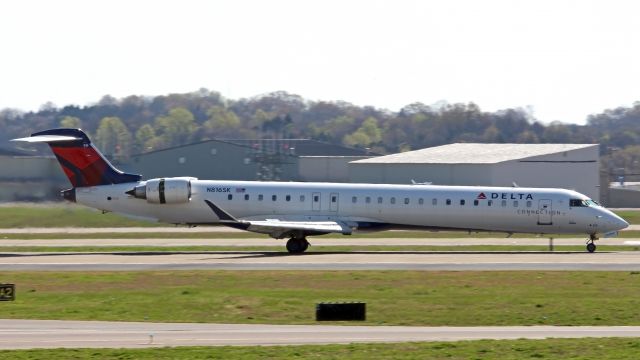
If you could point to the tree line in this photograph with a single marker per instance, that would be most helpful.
(137, 124)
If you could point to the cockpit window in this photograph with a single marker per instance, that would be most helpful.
(582, 203)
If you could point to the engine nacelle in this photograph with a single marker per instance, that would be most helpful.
(164, 191)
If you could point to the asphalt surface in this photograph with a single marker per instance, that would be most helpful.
(354, 260)
(23, 334)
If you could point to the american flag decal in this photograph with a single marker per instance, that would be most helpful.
(240, 190)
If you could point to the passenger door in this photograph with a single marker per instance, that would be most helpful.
(334, 201)
(545, 212)
(316, 201)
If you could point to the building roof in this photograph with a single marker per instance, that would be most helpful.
(472, 153)
(13, 152)
(292, 147)
(301, 147)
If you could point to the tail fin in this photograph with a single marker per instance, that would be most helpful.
(83, 164)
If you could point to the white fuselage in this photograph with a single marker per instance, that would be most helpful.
(370, 206)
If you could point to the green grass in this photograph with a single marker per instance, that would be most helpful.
(466, 298)
(67, 215)
(71, 215)
(314, 248)
(606, 348)
(632, 216)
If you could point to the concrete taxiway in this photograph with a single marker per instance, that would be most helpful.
(22, 334)
(356, 260)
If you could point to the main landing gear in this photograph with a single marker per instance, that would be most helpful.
(591, 246)
(297, 245)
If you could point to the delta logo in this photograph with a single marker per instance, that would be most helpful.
(481, 196)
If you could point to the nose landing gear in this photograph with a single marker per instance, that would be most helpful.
(297, 245)
(591, 246)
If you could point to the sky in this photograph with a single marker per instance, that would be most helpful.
(562, 60)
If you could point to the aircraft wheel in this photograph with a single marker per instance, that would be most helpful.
(591, 247)
(297, 246)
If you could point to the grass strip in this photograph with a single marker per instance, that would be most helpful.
(64, 215)
(433, 298)
(587, 348)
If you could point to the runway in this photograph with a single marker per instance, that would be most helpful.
(363, 260)
(23, 334)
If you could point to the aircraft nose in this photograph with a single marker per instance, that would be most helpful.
(617, 222)
(623, 224)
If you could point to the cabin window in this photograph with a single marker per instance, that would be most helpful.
(260, 197)
(367, 199)
(462, 202)
(529, 203)
(406, 201)
(379, 199)
(434, 202)
(476, 202)
(316, 198)
(421, 201)
(274, 197)
(230, 197)
(288, 198)
(354, 199)
(490, 202)
(246, 197)
(393, 200)
(504, 203)
(334, 199)
(515, 203)
(301, 198)
(448, 201)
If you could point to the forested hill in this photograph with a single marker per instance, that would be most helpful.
(136, 124)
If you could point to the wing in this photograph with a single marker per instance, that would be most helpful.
(279, 228)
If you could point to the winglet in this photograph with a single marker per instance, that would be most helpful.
(226, 218)
(222, 215)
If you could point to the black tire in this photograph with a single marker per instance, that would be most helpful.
(591, 247)
(297, 246)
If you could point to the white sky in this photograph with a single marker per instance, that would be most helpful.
(565, 59)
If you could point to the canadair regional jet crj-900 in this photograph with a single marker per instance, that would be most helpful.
(295, 210)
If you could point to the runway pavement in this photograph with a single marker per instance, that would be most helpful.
(363, 260)
(22, 334)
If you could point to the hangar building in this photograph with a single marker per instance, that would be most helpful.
(263, 159)
(570, 166)
(24, 177)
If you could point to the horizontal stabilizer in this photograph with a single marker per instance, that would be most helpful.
(47, 138)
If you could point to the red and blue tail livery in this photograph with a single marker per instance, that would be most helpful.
(83, 164)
